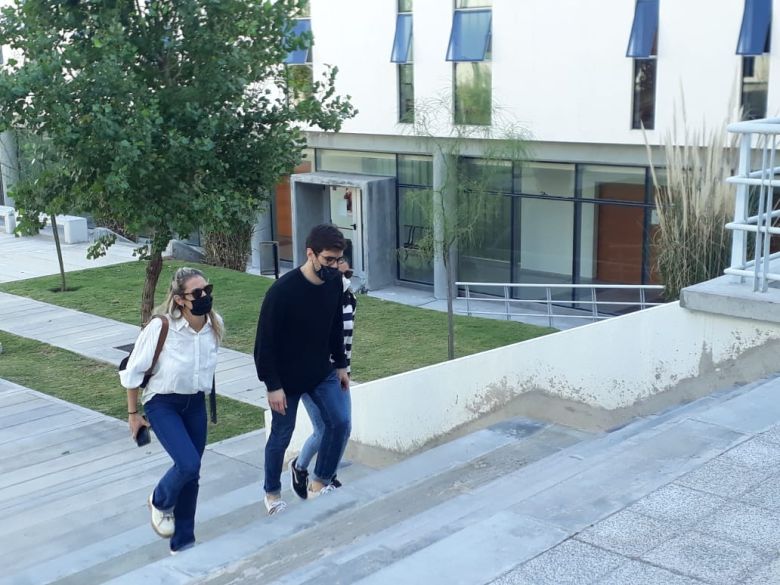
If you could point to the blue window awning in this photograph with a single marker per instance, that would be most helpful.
(470, 35)
(402, 45)
(299, 56)
(754, 34)
(641, 44)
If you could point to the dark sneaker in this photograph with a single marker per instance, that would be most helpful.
(335, 482)
(300, 480)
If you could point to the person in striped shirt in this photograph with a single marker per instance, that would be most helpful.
(299, 466)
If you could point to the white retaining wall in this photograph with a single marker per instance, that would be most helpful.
(608, 365)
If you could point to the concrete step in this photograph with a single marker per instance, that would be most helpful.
(474, 520)
(366, 506)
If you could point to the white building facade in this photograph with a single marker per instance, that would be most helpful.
(580, 78)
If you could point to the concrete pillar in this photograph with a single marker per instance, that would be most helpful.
(262, 233)
(443, 200)
(9, 165)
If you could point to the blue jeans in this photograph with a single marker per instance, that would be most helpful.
(179, 423)
(327, 397)
(312, 444)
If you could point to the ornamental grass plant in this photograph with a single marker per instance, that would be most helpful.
(693, 204)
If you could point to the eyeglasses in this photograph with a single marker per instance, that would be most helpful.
(199, 292)
(332, 260)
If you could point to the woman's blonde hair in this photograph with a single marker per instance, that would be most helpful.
(177, 288)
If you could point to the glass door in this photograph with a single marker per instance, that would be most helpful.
(345, 214)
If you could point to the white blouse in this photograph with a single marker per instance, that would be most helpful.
(186, 364)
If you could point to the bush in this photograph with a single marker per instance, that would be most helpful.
(229, 249)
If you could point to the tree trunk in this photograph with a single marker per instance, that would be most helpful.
(153, 270)
(450, 315)
(56, 233)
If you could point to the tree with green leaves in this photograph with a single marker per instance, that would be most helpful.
(464, 197)
(165, 116)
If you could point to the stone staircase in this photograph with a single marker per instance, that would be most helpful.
(468, 511)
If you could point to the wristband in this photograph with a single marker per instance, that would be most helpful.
(134, 412)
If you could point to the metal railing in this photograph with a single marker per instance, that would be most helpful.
(764, 133)
(549, 303)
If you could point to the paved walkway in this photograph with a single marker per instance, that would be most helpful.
(99, 339)
(30, 257)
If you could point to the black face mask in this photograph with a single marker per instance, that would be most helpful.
(327, 273)
(201, 306)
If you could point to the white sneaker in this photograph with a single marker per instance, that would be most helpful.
(162, 521)
(324, 490)
(274, 506)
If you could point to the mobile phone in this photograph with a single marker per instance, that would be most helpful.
(143, 437)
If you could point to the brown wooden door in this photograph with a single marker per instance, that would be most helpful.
(619, 235)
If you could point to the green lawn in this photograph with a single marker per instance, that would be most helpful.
(94, 385)
(389, 337)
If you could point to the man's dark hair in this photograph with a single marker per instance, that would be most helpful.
(325, 236)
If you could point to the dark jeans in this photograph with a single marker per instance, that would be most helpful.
(335, 416)
(179, 423)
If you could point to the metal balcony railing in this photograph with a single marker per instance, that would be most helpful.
(755, 216)
(512, 301)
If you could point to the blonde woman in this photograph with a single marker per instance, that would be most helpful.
(174, 398)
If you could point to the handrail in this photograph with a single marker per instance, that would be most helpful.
(594, 315)
(764, 178)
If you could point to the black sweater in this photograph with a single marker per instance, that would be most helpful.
(299, 330)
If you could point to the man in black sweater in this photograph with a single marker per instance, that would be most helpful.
(299, 348)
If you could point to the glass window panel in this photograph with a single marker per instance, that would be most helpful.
(485, 255)
(402, 43)
(608, 182)
(484, 174)
(406, 93)
(473, 93)
(413, 230)
(300, 82)
(470, 35)
(544, 245)
(305, 9)
(415, 170)
(404, 5)
(304, 55)
(755, 86)
(643, 110)
(351, 161)
(754, 34)
(473, 3)
(535, 178)
(644, 32)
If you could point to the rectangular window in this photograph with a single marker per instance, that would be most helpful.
(473, 3)
(478, 174)
(406, 93)
(415, 169)
(539, 178)
(755, 86)
(484, 255)
(643, 48)
(470, 35)
(473, 96)
(754, 34)
(351, 161)
(300, 82)
(414, 229)
(298, 56)
(643, 110)
(470, 50)
(403, 55)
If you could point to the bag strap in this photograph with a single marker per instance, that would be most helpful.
(213, 400)
(158, 349)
